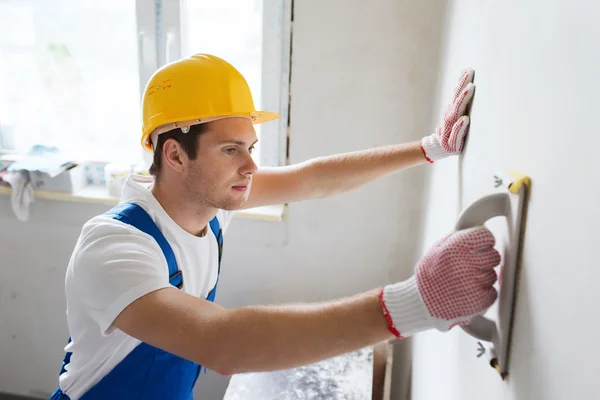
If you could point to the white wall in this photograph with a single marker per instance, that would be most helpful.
(362, 76)
(535, 111)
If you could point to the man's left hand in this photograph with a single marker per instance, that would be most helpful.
(450, 135)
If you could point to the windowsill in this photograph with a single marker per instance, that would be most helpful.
(97, 194)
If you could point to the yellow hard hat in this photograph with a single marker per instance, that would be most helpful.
(195, 90)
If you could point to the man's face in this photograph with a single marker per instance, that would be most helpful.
(221, 175)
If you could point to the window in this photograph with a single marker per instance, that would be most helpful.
(67, 77)
(72, 71)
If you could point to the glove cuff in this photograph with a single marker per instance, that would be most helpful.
(432, 148)
(404, 308)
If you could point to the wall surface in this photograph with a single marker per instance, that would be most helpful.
(370, 76)
(363, 76)
(535, 111)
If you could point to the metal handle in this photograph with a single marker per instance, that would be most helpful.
(477, 214)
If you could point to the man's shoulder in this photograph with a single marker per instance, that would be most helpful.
(104, 243)
(103, 229)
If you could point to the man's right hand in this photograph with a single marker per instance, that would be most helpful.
(452, 284)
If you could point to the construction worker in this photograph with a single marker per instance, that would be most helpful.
(141, 282)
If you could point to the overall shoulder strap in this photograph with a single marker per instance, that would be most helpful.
(216, 229)
(134, 215)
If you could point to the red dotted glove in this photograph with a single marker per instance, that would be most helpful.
(449, 137)
(452, 284)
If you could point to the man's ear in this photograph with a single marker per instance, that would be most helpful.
(174, 156)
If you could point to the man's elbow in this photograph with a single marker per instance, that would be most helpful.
(228, 362)
(225, 372)
(226, 366)
(314, 186)
(220, 356)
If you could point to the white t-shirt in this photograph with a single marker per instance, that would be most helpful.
(112, 265)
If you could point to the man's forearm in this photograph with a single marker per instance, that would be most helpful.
(279, 337)
(343, 172)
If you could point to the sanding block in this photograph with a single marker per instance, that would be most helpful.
(509, 202)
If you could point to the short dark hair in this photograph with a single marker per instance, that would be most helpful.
(188, 141)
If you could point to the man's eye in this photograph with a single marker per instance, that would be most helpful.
(251, 149)
(230, 150)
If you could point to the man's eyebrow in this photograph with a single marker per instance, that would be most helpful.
(238, 142)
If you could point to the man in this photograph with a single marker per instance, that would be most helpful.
(142, 279)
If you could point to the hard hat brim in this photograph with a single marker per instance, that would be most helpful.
(257, 117)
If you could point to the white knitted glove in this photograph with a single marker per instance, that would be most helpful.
(452, 284)
(449, 137)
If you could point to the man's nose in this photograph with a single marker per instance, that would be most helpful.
(250, 166)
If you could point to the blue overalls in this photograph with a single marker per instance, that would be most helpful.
(148, 372)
